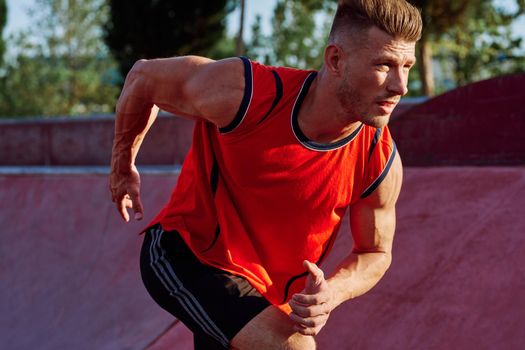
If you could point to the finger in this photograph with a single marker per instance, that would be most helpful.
(311, 299)
(309, 322)
(309, 310)
(303, 321)
(306, 330)
(310, 325)
(121, 207)
(314, 271)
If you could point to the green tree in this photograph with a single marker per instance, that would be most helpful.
(164, 28)
(3, 21)
(483, 47)
(461, 22)
(239, 44)
(258, 47)
(438, 17)
(61, 66)
(300, 30)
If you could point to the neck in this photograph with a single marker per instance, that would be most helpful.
(321, 117)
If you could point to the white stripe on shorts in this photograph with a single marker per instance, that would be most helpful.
(173, 285)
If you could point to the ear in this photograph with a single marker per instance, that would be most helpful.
(333, 59)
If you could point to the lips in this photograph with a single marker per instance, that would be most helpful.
(386, 107)
(388, 103)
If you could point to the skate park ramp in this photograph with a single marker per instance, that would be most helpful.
(479, 124)
(69, 265)
(457, 279)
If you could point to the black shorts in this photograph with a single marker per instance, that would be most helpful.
(215, 305)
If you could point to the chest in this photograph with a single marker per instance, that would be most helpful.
(273, 162)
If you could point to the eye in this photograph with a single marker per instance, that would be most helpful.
(383, 67)
(408, 66)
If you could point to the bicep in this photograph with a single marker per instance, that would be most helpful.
(194, 86)
(373, 219)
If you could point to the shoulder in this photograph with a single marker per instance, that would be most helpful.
(378, 153)
(216, 87)
(265, 88)
(387, 191)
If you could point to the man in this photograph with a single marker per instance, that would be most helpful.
(278, 156)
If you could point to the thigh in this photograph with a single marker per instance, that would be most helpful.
(271, 329)
(212, 303)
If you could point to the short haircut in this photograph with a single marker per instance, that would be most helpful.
(398, 18)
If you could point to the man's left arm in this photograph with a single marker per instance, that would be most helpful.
(372, 221)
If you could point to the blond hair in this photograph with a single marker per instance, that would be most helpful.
(396, 17)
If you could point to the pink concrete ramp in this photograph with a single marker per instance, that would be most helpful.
(457, 280)
(478, 124)
(68, 265)
(70, 278)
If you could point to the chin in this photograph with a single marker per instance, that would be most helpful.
(377, 121)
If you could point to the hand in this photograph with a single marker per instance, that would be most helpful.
(125, 192)
(311, 308)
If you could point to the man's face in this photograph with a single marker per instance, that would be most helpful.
(375, 77)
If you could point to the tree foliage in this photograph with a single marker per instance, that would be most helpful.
(3, 21)
(163, 28)
(300, 29)
(61, 66)
(453, 27)
(483, 46)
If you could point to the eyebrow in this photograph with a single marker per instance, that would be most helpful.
(396, 58)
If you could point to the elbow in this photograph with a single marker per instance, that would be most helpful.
(387, 261)
(138, 77)
(381, 266)
(137, 71)
(139, 65)
(135, 88)
(384, 264)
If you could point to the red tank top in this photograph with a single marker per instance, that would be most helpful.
(257, 197)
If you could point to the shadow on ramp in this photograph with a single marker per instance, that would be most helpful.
(69, 265)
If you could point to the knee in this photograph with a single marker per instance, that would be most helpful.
(294, 341)
(299, 342)
(271, 329)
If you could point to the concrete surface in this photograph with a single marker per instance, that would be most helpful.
(80, 141)
(77, 141)
(68, 265)
(70, 280)
(478, 124)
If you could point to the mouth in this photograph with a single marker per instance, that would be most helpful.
(387, 106)
(387, 103)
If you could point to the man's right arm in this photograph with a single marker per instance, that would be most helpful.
(187, 86)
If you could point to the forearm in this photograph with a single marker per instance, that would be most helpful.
(357, 274)
(130, 130)
(134, 116)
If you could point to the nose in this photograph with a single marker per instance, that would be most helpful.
(397, 82)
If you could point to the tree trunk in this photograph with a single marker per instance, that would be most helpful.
(425, 67)
(239, 49)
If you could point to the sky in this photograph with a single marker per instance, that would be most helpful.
(18, 18)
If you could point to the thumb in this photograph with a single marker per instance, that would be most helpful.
(315, 277)
(137, 205)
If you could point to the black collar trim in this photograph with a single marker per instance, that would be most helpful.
(305, 141)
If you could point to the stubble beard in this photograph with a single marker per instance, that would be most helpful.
(353, 106)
